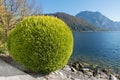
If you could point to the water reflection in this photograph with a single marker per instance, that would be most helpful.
(98, 47)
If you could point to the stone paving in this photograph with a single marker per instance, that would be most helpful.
(8, 72)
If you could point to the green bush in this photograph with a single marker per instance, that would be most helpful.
(41, 43)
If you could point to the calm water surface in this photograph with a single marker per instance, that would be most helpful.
(101, 48)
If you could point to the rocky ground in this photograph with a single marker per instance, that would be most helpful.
(72, 71)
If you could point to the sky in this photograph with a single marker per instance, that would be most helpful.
(109, 8)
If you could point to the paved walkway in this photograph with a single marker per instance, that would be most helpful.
(8, 72)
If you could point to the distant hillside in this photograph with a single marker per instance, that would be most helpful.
(75, 23)
(99, 20)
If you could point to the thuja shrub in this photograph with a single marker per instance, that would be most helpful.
(41, 43)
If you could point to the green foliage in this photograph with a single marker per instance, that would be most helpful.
(41, 43)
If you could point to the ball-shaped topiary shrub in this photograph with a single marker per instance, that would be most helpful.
(41, 43)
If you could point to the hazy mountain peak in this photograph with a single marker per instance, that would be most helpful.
(90, 12)
(99, 20)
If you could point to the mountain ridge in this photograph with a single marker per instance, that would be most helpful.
(99, 20)
(75, 23)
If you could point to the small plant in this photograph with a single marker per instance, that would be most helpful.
(41, 43)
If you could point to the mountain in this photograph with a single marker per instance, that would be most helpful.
(74, 23)
(99, 20)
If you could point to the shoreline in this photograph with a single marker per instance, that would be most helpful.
(93, 31)
(74, 70)
(91, 64)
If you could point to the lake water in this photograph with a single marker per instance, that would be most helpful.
(100, 48)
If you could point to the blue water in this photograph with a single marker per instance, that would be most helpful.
(101, 48)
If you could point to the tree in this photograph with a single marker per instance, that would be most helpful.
(13, 11)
